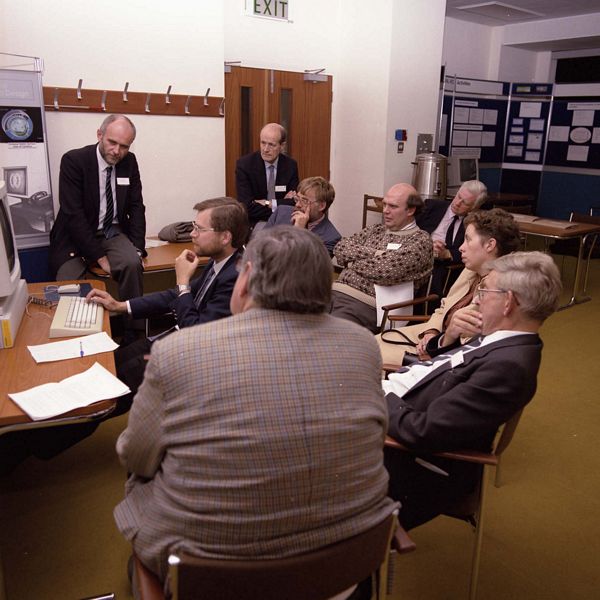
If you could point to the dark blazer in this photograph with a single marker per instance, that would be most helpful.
(324, 229)
(251, 183)
(214, 304)
(458, 408)
(430, 218)
(73, 233)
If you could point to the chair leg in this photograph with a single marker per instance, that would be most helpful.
(498, 476)
(478, 538)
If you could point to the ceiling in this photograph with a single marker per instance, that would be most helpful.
(499, 13)
(488, 12)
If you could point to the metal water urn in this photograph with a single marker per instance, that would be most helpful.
(430, 175)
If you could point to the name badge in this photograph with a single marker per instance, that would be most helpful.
(457, 359)
(392, 246)
(122, 180)
(280, 188)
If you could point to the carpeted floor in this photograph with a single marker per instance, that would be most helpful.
(542, 534)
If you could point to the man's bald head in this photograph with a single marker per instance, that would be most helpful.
(400, 205)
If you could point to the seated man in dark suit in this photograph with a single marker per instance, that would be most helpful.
(313, 199)
(266, 177)
(444, 221)
(220, 230)
(101, 218)
(460, 398)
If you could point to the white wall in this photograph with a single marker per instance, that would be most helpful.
(517, 64)
(151, 44)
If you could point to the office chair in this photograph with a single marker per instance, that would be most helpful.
(471, 508)
(317, 575)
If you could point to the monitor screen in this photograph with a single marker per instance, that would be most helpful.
(461, 169)
(16, 180)
(10, 271)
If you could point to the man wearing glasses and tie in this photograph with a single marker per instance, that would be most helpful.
(459, 399)
(220, 231)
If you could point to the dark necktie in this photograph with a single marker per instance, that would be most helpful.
(450, 232)
(207, 281)
(271, 183)
(110, 206)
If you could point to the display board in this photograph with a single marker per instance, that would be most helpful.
(24, 155)
(574, 136)
(526, 130)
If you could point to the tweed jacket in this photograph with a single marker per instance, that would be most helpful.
(393, 353)
(268, 444)
(251, 183)
(367, 260)
(73, 233)
(325, 229)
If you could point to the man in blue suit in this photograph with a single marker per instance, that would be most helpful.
(219, 231)
(267, 177)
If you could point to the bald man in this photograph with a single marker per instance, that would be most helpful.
(266, 177)
(384, 255)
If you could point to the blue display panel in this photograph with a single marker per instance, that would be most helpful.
(526, 130)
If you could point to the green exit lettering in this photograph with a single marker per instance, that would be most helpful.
(271, 8)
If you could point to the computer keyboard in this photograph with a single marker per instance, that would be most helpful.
(74, 316)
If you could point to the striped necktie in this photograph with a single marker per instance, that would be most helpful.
(110, 205)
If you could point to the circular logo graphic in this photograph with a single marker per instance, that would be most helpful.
(17, 125)
(580, 135)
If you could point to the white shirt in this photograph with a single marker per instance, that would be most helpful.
(439, 233)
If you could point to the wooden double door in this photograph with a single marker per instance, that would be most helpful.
(254, 97)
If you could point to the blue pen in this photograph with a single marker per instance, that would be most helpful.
(80, 348)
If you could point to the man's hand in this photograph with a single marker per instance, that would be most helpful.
(290, 194)
(465, 322)
(185, 266)
(105, 299)
(104, 264)
(264, 202)
(301, 216)
(422, 345)
(440, 250)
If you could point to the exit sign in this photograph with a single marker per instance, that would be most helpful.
(269, 9)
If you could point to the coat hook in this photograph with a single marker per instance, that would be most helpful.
(125, 99)
(103, 101)
(206, 97)
(79, 89)
(147, 107)
(56, 107)
(168, 98)
(186, 108)
(222, 107)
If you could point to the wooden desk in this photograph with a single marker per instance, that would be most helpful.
(18, 370)
(160, 259)
(561, 230)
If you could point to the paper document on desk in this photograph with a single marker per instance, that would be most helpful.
(52, 399)
(73, 348)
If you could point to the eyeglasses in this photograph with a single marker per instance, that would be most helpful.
(480, 291)
(197, 229)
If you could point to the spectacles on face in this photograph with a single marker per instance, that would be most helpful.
(198, 229)
(481, 291)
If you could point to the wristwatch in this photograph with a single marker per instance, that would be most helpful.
(183, 288)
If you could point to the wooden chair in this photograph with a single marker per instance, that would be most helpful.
(371, 204)
(317, 575)
(591, 249)
(472, 507)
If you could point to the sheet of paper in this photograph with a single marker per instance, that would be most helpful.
(52, 399)
(154, 243)
(459, 138)
(390, 294)
(534, 141)
(559, 133)
(514, 151)
(490, 116)
(536, 125)
(461, 114)
(583, 117)
(530, 110)
(596, 135)
(579, 153)
(474, 138)
(488, 138)
(73, 348)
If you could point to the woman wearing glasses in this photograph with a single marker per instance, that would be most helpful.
(488, 235)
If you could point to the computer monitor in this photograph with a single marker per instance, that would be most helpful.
(10, 269)
(16, 181)
(462, 168)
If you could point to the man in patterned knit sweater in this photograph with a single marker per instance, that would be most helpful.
(394, 252)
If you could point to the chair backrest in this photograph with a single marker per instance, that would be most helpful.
(371, 204)
(578, 217)
(317, 575)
